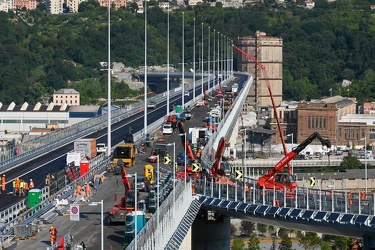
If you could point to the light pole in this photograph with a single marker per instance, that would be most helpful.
(194, 64)
(202, 61)
(365, 139)
(95, 203)
(109, 147)
(291, 135)
(168, 110)
(157, 190)
(183, 60)
(145, 77)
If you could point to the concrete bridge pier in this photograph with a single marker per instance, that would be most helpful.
(369, 242)
(210, 231)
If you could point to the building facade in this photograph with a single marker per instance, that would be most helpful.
(267, 51)
(54, 6)
(68, 96)
(27, 4)
(115, 4)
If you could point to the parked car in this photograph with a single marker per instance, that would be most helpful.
(142, 184)
(186, 93)
(151, 105)
(167, 129)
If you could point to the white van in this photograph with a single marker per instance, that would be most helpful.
(235, 88)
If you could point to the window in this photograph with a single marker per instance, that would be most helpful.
(313, 122)
(71, 101)
(75, 101)
(308, 122)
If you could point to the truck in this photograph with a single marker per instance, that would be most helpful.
(88, 145)
(126, 151)
(76, 157)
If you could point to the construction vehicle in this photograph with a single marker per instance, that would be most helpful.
(127, 204)
(278, 180)
(263, 68)
(126, 151)
(149, 173)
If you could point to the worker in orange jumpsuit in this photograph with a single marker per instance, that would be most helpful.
(31, 185)
(3, 182)
(26, 187)
(350, 202)
(363, 195)
(78, 190)
(87, 191)
(53, 235)
(18, 183)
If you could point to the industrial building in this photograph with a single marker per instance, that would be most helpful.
(23, 118)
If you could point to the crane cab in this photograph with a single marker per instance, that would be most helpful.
(285, 179)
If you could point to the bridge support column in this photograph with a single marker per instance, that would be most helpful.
(368, 242)
(210, 231)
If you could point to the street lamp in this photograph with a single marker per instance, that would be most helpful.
(109, 147)
(365, 139)
(291, 135)
(95, 203)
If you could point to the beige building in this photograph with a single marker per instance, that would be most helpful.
(268, 52)
(117, 4)
(73, 5)
(27, 4)
(67, 96)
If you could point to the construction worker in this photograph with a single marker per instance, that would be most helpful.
(78, 190)
(26, 187)
(18, 181)
(53, 235)
(87, 191)
(14, 187)
(31, 185)
(3, 183)
(22, 186)
(47, 180)
(363, 195)
(350, 202)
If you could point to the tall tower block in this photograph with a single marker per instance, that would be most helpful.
(268, 51)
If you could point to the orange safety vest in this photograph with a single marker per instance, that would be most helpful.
(79, 190)
(3, 183)
(26, 186)
(363, 195)
(350, 202)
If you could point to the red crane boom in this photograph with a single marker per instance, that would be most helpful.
(260, 65)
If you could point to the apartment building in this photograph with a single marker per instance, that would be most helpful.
(4, 6)
(27, 4)
(67, 96)
(115, 3)
(54, 6)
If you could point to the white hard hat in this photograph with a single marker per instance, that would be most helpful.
(31, 179)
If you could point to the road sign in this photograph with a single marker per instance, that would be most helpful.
(74, 212)
(167, 159)
(238, 175)
(197, 167)
(312, 181)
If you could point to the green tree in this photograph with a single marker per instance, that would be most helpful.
(270, 230)
(325, 246)
(285, 243)
(309, 240)
(262, 228)
(254, 242)
(350, 162)
(247, 227)
(342, 242)
(238, 244)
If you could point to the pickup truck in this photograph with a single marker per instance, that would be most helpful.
(151, 105)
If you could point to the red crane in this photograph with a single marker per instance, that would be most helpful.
(263, 68)
(274, 178)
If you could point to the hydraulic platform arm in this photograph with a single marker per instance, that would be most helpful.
(125, 179)
(279, 167)
(215, 170)
(185, 141)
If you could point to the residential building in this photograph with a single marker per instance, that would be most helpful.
(27, 4)
(266, 50)
(164, 5)
(368, 108)
(4, 6)
(68, 96)
(73, 5)
(117, 4)
(194, 2)
(54, 6)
